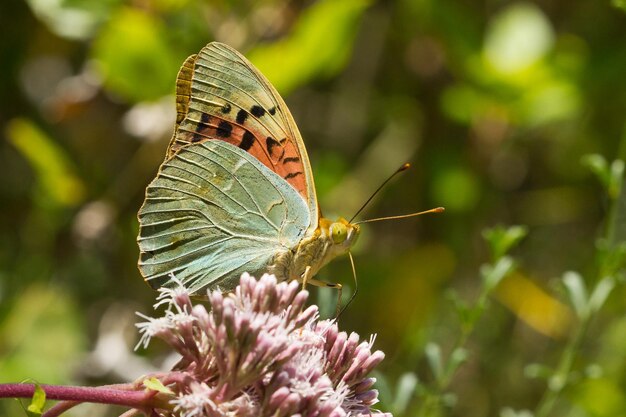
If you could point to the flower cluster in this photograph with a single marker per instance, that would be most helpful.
(261, 352)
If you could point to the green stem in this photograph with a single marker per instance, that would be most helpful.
(561, 376)
(614, 208)
(611, 218)
(431, 402)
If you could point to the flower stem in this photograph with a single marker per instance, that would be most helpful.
(72, 395)
(59, 408)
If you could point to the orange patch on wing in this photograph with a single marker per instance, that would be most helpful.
(279, 155)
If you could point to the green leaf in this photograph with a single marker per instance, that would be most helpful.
(320, 45)
(134, 57)
(35, 408)
(577, 293)
(620, 4)
(433, 356)
(598, 166)
(405, 392)
(457, 358)
(155, 384)
(600, 293)
(518, 37)
(75, 19)
(502, 239)
(457, 189)
(557, 382)
(537, 370)
(594, 371)
(509, 412)
(40, 335)
(492, 275)
(449, 399)
(56, 176)
(462, 309)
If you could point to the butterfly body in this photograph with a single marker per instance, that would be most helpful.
(317, 250)
(235, 192)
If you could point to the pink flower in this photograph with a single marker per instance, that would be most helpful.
(261, 352)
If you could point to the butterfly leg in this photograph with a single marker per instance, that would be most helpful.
(306, 276)
(333, 285)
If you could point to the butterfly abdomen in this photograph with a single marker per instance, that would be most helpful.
(311, 253)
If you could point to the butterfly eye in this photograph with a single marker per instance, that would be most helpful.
(338, 232)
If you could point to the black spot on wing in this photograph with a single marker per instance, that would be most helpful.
(226, 108)
(272, 111)
(271, 143)
(247, 141)
(292, 175)
(291, 159)
(224, 129)
(202, 125)
(257, 111)
(242, 115)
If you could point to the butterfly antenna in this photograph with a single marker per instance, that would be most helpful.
(404, 167)
(403, 216)
(356, 287)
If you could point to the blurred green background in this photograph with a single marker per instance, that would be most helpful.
(493, 102)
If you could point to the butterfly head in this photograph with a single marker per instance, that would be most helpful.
(341, 235)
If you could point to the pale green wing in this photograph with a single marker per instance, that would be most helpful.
(214, 212)
(220, 95)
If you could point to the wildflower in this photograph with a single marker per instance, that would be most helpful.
(260, 351)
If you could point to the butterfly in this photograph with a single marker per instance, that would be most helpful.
(235, 192)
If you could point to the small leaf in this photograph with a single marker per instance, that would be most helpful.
(537, 370)
(611, 254)
(600, 294)
(509, 412)
(620, 4)
(557, 382)
(457, 358)
(433, 355)
(461, 308)
(155, 384)
(58, 182)
(449, 399)
(577, 293)
(405, 392)
(135, 57)
(492, 275)
(320, 44)
(597, 165)
(35, 408)
(594, 371)
(501, 239)
(76, 20)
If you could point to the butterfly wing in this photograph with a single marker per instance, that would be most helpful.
(221, 95)
(213, 212)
